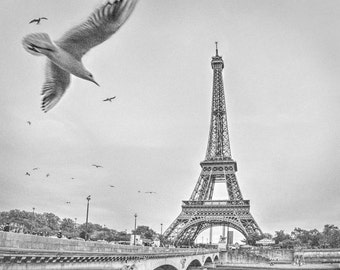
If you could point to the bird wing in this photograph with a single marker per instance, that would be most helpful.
(34, 20)
(43, 18)
(98, 27)
(56, 82)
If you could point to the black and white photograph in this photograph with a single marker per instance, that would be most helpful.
(169, 135)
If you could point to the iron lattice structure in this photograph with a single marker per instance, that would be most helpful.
(200, 211)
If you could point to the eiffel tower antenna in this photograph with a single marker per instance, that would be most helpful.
(201, 212)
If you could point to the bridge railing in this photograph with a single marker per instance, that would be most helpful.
(16, 242)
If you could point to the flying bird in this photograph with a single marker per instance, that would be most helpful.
(27, 173)
(64, 55)
(68, 202)
(38, 20)
(112, 186)
(109, 99)
(47, 175)
(150, 192)
(29, 122)
(97, 166)
(34, 169)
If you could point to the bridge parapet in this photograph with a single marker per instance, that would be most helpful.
(10, 240)
(25, 252)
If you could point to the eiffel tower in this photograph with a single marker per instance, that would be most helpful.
(200, 212)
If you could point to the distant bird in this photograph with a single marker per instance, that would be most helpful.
(97, 166)
(109, 99)
(38, 20)
(72, 178)
(112, 186)
(139, 191)
(27, 173)
(34, 169)
(150, 192)
(64, 55)
(68, 202)
(47, 175)
(29, 122)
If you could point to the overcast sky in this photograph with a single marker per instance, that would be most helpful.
(281, 80)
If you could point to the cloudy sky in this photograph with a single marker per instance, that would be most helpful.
(281, 81)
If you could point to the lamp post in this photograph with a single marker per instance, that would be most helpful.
(87, 215)
(134, 233)
(161, 237)
(33, 227)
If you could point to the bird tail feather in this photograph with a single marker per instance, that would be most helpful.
(38, 43)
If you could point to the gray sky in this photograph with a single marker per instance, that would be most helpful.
(281, 81)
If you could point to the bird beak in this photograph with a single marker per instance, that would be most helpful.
(95, 82)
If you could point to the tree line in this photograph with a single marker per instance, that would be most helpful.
(48, 224)
(329, 237)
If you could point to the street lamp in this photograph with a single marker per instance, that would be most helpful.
(134, 233)
(161, 237)
(33, 226)
(87, 215)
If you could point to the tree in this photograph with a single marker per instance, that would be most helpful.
(145, 232)
(330, 237)
(252, 238)
(281, 236)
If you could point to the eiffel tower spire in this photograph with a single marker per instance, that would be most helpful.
(201, 212)
(218, 143)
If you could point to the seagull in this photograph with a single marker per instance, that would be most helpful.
(29, 122)
(109, 99)
(38, 20)
(97, 166)
(150, 192)
(34, 169)
(112, 186)
(27, 173)
(64, 55)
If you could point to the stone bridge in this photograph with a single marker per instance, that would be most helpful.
(22, 251)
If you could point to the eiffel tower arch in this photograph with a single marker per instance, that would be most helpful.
(201, 211)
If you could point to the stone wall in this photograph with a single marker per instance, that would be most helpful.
(241, 257)
(318, 256)
(9, 240)
(276, 255)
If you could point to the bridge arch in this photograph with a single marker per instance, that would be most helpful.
(208, 261)
(201, 224)
(166, 267)
(194, 263)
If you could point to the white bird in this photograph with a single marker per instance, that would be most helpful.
(64, 55)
